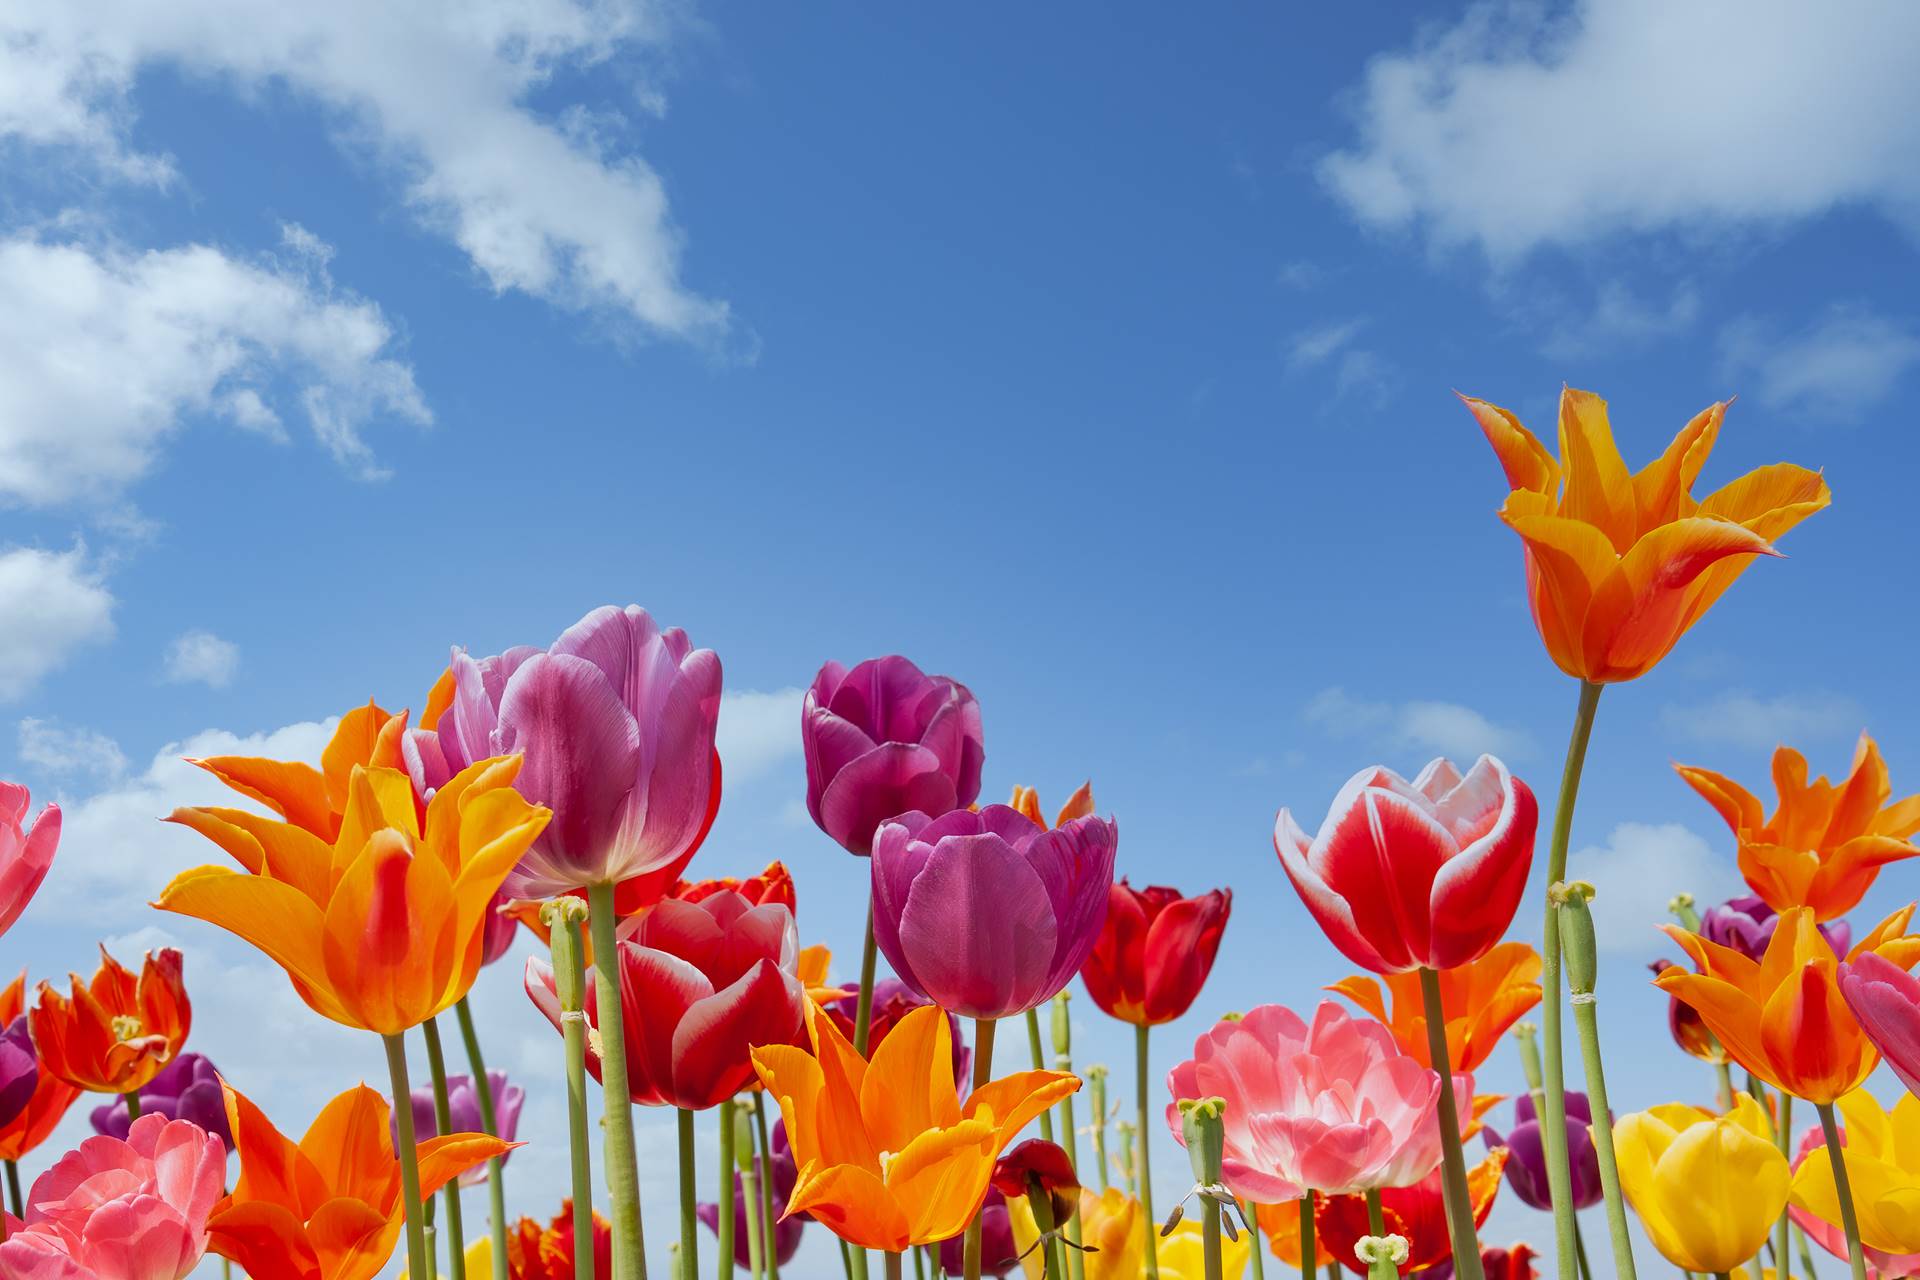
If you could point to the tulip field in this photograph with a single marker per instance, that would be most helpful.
(911, 1101)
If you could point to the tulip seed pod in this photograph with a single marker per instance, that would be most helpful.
(1576, 936)
(743, 1139)
(1681, 906)
(563, 917)
(1205, 1136)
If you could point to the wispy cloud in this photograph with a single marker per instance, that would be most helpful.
(201, 657)
(1638, 871)
(52, 603)
(1741, 718)
(1447, 728)
(1835, 368)
(1357, 372)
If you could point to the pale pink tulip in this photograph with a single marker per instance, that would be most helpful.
(25, 854)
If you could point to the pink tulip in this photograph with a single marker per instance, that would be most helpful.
(1411, 874)
(1886, 1000)
(24, 855)
(122, 1209)
(1334, 1107)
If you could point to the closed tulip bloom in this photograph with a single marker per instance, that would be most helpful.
(1410, 874)
(133, 1208)
(1620, 565)
(1109, 1228)
(1747, 923)
(1515, 1263)
(535, 1252)
(1684, 1025)
(889, 1156)
(1332, 1107)
(703, 983)
(987, 914)
(1527, 1156)
(187, 1089)
(25, 852)
(384, 926)
(1416, 1211)
(1885, 998)
(1155, 951)
(1825, 842)
(463, 1114)
(51, 1096)
(999, 1249)
(328, 1207)
(775, 884)
(1881, 1149)
(1037, 1163)
(1708, 1189)
(882, 739)
(1481, 1001)
(118, 1030)
(19, 1070)
(1783, 1017)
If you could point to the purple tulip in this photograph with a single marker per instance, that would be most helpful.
(499, 931)
(997, 1248)
(786, 1231)
(1527, 1157)
(989, 914)
(188, 1088)
(463, 1113)
(616, 723)
(885, 739)
(1747, 925)
(19, 1070)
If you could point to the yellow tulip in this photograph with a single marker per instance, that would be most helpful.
(1109, 1228)
(1183, 1254)
(1707, 1188)
(1883, 1169)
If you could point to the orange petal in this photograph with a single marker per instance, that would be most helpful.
(1567, 561)
(351, 747)
(908, 1088)
(350, 1146)
(1643, 606)
(1599, 491)
(351, 1239)
(279, 920)
(1736, 805)
(1525, 460)
(854, 1204)
(445, 1158)
(295, 791)
(1012, 1101)
(941, 1177)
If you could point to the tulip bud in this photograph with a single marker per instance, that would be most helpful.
(563, 917)
(1681, 905)
(1576, 935)
(1233, 1016)
(1204, 1133)
(743, 1138)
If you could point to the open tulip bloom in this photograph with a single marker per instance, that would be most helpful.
(118, 1030)
(1881, 1150)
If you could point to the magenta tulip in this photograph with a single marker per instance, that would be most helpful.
(989, 914)
(25, 854)
(1886, 1000)
(19, 1070)
(188, 1088)
(463, 1115)
(885, 739)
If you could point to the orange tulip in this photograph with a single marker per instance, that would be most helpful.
(1826, 841)
(117, 1031)
(888, 1155)
(1078, 805)
(1782, 1017)
(1619, 565)
(1481, 1000)
(52, 1096)
(315, 800)
(382, 925)
(328, 1207)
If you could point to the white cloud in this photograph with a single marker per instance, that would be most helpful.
(1744, 719)
(1834, 368)
(62, 751)
(757, 730)
(104, 352)
(1451, 730)
(440, 92)
(201, 657)
(51, 603)
(1317, 345)
(1618, 317)
(1356, 370)
(1523, 125)
(1639, 870)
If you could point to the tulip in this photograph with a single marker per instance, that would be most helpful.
(187, 1089)
(1885, 998)
(1515, 1263)
(1684, 1025)
(1154, 952)
(1619, 566)
(1078, 805)
(1881, 1150)
(117, 1031)
(708, 981)
(1333, 1107)
(1182, 1255)
(998, 1246)
(463, 1114)
(1527, 1157)
(775, 884)
(1039, 1167)
(1425, 874)
(135, 1207)
(1708, 1188)
(328, 1207)
(889, 1156)
(882, 739)
(535, 1252)
(25, 854)
(987, 914)
(1747, 923)
(19, 1070)
(893, 1000)
(1110, 1227)
(1481, 1000)
(1783, 1017)
(787, 1231)
(1416, 1211)
(315, 800)
(51, 1098)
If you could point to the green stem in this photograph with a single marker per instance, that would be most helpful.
(489, 1121)
(1586, 1019)
(725, 1245)
(1041, 1205)
(1806, 1254)
(1063, 1061)
(1580, 1250)
(1849, 1220)
(1256, 1264)
(1459, 1203)
(1143, 1163)
(863, 1011)
(766, 1187)
(14, 1198)
(1553, 1109)
(1377, 1226)
(1782, 1229)
(1307, 1259)
(1726, 1086)
(893, 1265)
(570, 983)
(409, 1157)
(623, 1174)
(1097, 1099)
(689, 1197)
(132, 1098)
(1039, 1054)
(443, 1124)
(982, 1072)
(750, 1188)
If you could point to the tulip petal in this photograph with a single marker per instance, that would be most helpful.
(909, 1086)
(264, 1239)
(854, 1204)
(978, 930)
(1640, 610)
(276, 918)
(350, 1238)
(940, 1177)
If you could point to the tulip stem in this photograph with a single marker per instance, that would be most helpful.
(1459, 1203)
(1063, 1061)
(443, 1125)
(1580, 1250)
(770, 1250)
(1586, 1019)
(1256, 1264)
(893, 1265)
(409, 1157)
(1097, 1099)
(1849, 1220)
(1039, 1064)
(863, 1011)
(1377, 1227)
(1806, 1254)
(1782, 1127)
(18, 1201)
(562, 917)
(1040, 1203)
(1308, 1260)
(1143, 1164)
(724, 1227)
(623, 1174)
(750, 1189)
(1553, 1109)
(490, 1122)
(1726, 1085)
(689, 1197)
(982, 1072)
(132, 1097)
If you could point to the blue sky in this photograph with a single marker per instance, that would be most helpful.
(1102, 363)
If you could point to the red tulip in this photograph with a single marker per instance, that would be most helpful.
(1037, 1163)
(1154, 952)
(775, 884)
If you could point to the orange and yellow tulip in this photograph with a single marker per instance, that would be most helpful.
(315, 800)
(888, 1155)
(1825, 841)
(1619, 564)
(328, 1207)
(118, 1030)
(381, 926)
(1783, 1017)
(52, 1096)
(1078, 805)
(1481, 1000)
